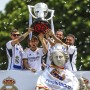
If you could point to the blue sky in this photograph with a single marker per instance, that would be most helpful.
(2, 4)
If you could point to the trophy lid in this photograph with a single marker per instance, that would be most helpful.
(41, 10)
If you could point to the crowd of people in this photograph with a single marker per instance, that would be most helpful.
(55, 57)
(31, 57)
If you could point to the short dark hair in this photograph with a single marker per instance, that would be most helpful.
(33, 37)
(71, 35)
(61, 30)
(14, 30)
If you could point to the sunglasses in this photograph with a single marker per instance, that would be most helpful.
(16, 35)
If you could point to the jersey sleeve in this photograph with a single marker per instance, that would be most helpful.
(9, 45)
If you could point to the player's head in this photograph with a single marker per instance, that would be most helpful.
(60, 34)
(58, 56)
(15, 34)
(70, 39)
(33, 42)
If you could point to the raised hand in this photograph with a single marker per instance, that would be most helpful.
(30, 29)
(32, 70)
(41, 36)
(49, 32)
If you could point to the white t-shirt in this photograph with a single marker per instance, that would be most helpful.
(71, 63)
(14, 54)
(48, 80)
(34, 57)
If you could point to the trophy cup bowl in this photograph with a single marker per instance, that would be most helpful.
(40, 24)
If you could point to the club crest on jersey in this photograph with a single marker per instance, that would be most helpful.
(56, 73)
(16, 48)
(16, 59)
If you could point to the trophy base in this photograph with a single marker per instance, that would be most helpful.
(40, 26)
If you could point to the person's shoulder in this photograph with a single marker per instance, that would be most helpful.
(26, 49)
(9, 45)
(39, 48)
(72, 47)
(19, 45)
(9, 41)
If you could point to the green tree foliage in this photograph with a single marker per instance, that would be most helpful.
(71, 15)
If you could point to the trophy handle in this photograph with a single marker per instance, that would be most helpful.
(30, 11)
(49, 10)
(52, 14)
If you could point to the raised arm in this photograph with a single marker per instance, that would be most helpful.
(42, 39)
(50, 40)
(57, 40)
(22, 37)
(27, 67)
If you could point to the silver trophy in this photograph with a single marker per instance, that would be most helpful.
(39, 12)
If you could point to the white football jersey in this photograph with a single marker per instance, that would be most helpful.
(34, 57)
(48, 80)
(71, 63)
(14, 54)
